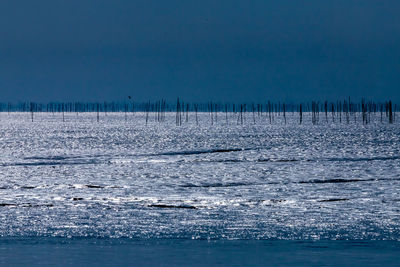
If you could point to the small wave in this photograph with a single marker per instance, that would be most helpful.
(332, 181)
(223, 161)
(279, 160)
(27, 205)
(333, 199)
(172, 206)
(391, 200)
(274, 200)
(346, 159)
(363, 159)
(241, 160)
(147, 157)
(94, 186)
(50, 157)
(49, 163)
(272, 160)
(217, 185)
(196, 152)
(27, 187)
(7, 204)
(312, 160)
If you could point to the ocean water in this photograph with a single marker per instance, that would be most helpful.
(180, 252)
(122, 179)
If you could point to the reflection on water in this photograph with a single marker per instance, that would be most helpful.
(118, 178)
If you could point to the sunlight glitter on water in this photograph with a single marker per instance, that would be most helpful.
(120, 178)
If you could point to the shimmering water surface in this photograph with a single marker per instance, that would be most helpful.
(122, 178)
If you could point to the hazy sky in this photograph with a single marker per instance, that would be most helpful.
(247, 50)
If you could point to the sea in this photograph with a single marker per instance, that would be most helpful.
(133, 189)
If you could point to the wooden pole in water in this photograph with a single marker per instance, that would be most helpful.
(226, 113)
(126, 111)
(187, 112)
(269, 112)
(63, 112)
(284, 111)
(215, 111)
(147, 110)
(253, 110)
(301, 113)
(31, 107)
(211, 113)
(326, 110)
(98, 112)
(178, 113)
(195, 110)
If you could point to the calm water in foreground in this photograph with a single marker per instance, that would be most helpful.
(287, 185)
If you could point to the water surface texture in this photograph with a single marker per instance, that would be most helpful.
(122, 178)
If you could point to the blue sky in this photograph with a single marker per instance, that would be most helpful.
(226, 50)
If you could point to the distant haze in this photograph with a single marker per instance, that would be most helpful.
(231, 50)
